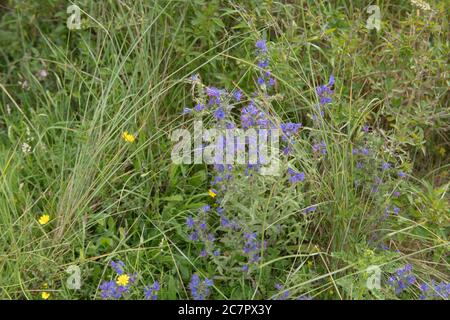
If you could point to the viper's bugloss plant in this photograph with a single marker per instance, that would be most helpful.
(402, 279)
(200, 290)
(151, 292)
(434, 290)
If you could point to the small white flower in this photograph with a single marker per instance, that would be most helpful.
(422, 5)
(42, 74)
(26, 148)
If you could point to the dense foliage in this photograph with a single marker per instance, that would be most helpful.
(87, 180)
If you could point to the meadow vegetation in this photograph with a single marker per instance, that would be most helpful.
(87, 180)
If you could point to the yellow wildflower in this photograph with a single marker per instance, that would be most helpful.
(44, 219)
(128, 137)
(123, 280)
(45, 295)
(212, 193)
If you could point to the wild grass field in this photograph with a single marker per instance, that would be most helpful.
(93, 207)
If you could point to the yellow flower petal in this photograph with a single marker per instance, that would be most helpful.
(128, 137)
(212, 193)
(123, 280)
(44, 219)
(45, 295)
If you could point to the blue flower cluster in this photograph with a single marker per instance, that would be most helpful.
(377, 176)
(223, 174)
(118, 266)
(402, 279)
(284, 293)
(151, 292)
(109, 290)
(265, 79)
(395, 210)
(310, 209)
(252, 249)
(289, 131)
(112, 290)
(320, 147)
(405, 278)
(200, 230)
(227, 223)
(214, 97)
(324, 93)
(439, 290)
(295, 176)
(200, 289)
(251, 116)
